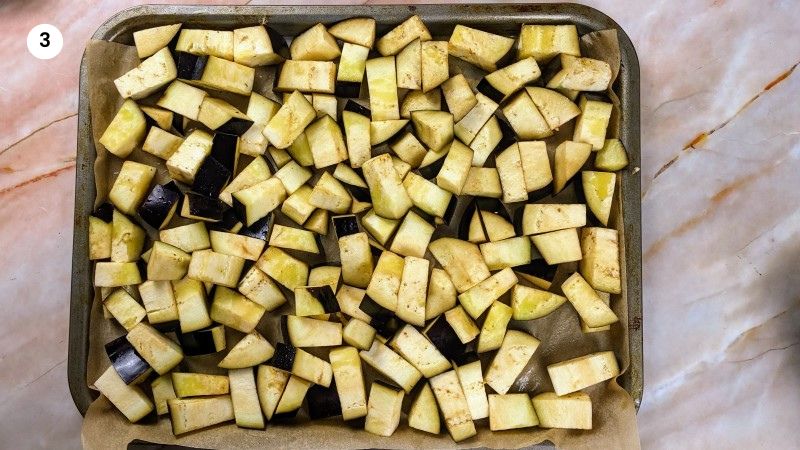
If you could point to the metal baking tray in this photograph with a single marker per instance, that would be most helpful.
(290, 20)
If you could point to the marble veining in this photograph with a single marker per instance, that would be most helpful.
(721, 219)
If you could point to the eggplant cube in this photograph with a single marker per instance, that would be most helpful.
(234, 310)
(512, 357)
(126, 130)
(253, 46)
(129, 400)
(453, 404)
(383, 410)
(581, 372)
(167, 262)
(283, 268)
(131, 185)
(149, 76)
(346, 367)
(158, 350)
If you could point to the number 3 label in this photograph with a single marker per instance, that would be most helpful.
(45, 41)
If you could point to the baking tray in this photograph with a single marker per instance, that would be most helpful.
(291, 20)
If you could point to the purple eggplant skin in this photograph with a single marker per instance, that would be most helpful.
(323, 402)
(211, 178)
(326, 297)
(345, 225)
(508, 136)
(190, 67)
(223, 149)
(205, 207)
(260, 229)
(284, 356)
(445, 339)
(159, 206)
(178, 124)
(538, 268)
(430, 171)
(348, 89)
(200, 342)
(383, 320)
(465, 358)
(104, 212)
(486, 88)
(235, 126)
(357, 108)
(229, 222)
(278, 42)
(130, 366)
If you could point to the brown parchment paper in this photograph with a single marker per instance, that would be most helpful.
(614, 414)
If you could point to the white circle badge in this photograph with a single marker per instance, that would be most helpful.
(45, 41)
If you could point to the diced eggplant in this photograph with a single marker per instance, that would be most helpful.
(234, 310)
(308, 332)
(258, 46)
(348, 89)
(554, 107)
(582, 74)
(349, 385)
(167, 263)
(510, 252)
(159, 301)
(590, 307)
(424, 413)
(129, 400)
(529, 303)
(385, 281)
(611, 157)
(379, 227)
(330, 195)
(434, 64)
(494, 327)
(350, 299)
(307, 77)
(478, 298)
(325, 275)
(461, 260)
(459, 96)
(395, 40)
(421, 101)
(383, 320)
(570, 411)
(569, 158)
(233, 244)
(302, 364)
(592, 123)
(104, 212)
(283, 268)
(217, 268)
(408, 149)
(512, 357)
(258, 287)
(356, 258)
(411, 296)
(297, 206)
(504, 82)
(124, 308)
(203, 342)
(184, 100)
(444, 338)
(314, 44)
(188, 238)
(190, 414)
(391, 365)
(159, 206)
(322, 296)
(270, 384)
(325, 104)
(551, 217)
(468, 127)
(356, 30)
(357, 131)
(543, 42)
(290, 120)
(246, 407)
(453, 405)
(536, 168)
(258, 200)
(512, 178)
(255, 172)
(427, 196)
(510, 412)
(149, 76)
(390, 199)
(455, 168)
(538, 273)
(190, 300)
(413, 236)
(598, 188)
(220, 116)
(199, 384)
(461, 324)
(497, 227)
(581, 372)
(326, 142)
(345, 225)
(380, 131)
(159, 351)
(359, 334)
(383, 410)
(382, 83)
(479, 47)
(151, 40)
(188, 158)
(162, 392)
(600, 264)
(293, 239)
(131, 186)
(352, 65)
(525, 118)
(127, 239)
(409, 66)
(470, 377)
(157, 118)
(206, 42)
(419, 351)
(491, 136)
(130, 367)
(99, 238)
(112, 274)
(559, 246)
(441, 294)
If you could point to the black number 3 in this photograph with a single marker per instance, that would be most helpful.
(45, 39)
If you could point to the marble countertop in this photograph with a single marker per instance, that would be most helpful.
(720, 210)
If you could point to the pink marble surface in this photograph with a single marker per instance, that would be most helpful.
(721, 219)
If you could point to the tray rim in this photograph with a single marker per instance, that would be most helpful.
(582, 15)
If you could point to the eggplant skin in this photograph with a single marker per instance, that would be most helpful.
(348, 89)
(430, 171)
(538, 268)
(211, 178)
(486, 88)
(326, 297)
(126, 361)
(158, 206)
(104, 212)
(235, 126)
(223, 149)
(345, 225)
(446, 340)
(206, 207)
(284, 357)
(357, 108)
(260, 229)
(200, 342)
(323, 402)
(190, 67)
(508, 135)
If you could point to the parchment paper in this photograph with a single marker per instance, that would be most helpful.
(614, 415)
